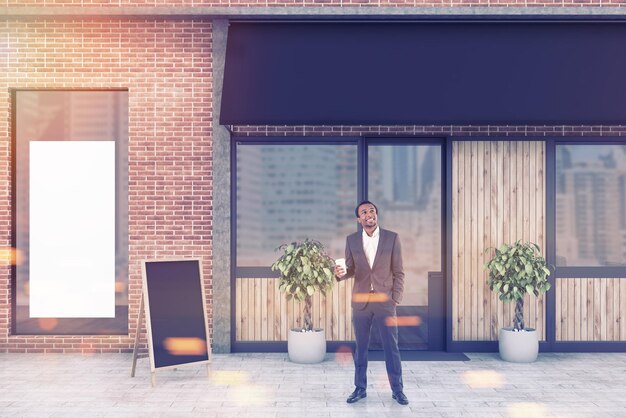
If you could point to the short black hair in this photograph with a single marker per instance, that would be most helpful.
(365, 202)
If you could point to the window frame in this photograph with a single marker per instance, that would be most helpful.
(266, 272)
(71, 326)
(563, 272)
(362, 143)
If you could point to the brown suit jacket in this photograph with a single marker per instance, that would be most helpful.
(386, 275)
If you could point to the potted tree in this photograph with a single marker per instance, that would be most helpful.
(514, 271)
(305, 268)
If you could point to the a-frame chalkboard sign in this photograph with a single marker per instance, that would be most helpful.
(174, 305)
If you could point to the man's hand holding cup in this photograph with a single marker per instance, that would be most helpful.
(340, 267)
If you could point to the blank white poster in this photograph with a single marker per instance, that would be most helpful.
(72, 229)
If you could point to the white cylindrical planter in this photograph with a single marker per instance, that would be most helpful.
(518, 347)
(306, 347)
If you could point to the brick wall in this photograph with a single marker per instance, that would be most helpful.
(166, 66)
(436, 131)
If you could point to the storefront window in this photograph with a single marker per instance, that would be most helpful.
(291, 192)
(591, 205)
(405, 182)
(71, 212)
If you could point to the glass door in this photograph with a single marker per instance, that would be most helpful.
(405, 181)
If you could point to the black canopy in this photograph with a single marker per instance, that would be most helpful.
(474, 72)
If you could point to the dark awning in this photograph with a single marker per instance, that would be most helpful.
(425, 73)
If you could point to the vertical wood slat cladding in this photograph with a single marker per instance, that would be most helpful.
(263, 314)
(498, 196)
(590, 309)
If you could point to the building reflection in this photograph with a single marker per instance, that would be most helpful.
(591, 205)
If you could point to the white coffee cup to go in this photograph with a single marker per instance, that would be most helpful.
(341, 262)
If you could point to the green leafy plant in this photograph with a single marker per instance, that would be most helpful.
(304, 269)
(516, 270)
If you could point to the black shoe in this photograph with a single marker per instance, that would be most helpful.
(357, 395)
(400, 398)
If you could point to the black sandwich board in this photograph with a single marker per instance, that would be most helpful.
(175, 311)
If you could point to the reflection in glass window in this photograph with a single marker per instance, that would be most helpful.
(405, 183)
(291, 192)
(590, 205)
(71, 212)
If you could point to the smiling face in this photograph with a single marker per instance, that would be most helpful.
(368, 217)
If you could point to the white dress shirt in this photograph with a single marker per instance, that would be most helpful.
(370, 245)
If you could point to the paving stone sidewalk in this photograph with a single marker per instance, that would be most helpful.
(268, 385)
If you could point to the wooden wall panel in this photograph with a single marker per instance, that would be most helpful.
(498, 196)
(263, 314)
(590, 309)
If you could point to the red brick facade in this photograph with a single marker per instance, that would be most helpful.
(166, 66)
(435, 131)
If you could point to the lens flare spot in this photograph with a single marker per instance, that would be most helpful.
(344, 354)
(87, 349)
(483, 379)
(370, 297)
(47, 324)
(10, 256)
(403, 321)
(178, 346)
(227, 377)
(527, 410)
(120, 287)
(251, 395)
(381, 382)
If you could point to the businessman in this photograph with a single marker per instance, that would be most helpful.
(374, 259)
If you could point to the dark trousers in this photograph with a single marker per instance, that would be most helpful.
(362, 319)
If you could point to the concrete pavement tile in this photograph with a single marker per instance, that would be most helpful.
(578, 384)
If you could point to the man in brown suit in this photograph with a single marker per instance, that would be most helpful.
(374, 259)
